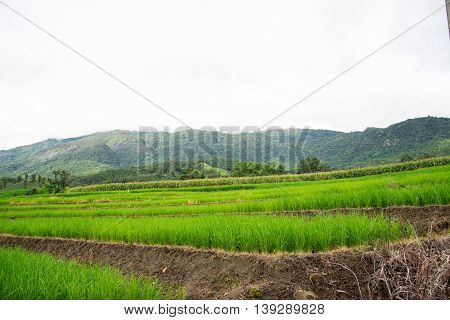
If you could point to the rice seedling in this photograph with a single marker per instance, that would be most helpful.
(234, 233)
(30, 276)
(430, 186)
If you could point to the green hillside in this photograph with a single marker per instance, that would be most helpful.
(113, 150)
(416, 137)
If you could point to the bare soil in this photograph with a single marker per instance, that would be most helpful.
(425, 220)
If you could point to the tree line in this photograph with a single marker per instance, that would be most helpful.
(307, 165)
(169, 170)
(174, 170)
(201, 169)
(54, 184)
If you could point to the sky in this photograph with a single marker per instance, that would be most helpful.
(218, 63)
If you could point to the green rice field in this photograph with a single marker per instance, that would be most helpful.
(25, 275)
(234, 233)
(429, 186)
(233, 217)
(241, 215)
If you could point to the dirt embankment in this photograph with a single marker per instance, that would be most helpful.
(414, 270)
(425, 220)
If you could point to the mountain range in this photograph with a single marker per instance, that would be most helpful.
(90, 154)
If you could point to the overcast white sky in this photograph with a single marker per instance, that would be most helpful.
(216, 63)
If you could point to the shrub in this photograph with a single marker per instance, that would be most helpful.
(31, 192)
(58, 183)
(406, 158)
(311, 165)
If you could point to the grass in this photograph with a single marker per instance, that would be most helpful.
(430, 186)
(231, 216)
(16, 189)
(234, 233)
(30, 276)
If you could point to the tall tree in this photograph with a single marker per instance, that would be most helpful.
(25, 180)
(59, 182)
(4, 182)
(311, 164)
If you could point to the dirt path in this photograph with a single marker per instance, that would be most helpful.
(213, 274)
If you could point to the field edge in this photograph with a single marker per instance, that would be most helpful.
(340, 274)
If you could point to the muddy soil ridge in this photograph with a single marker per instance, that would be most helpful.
(425, 220)
(414, 269)
(215, 274)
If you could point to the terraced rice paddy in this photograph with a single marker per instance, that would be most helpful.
(414, 188)
(25, 275)
(235, 233)
(256, 218)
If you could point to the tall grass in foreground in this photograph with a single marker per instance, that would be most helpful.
(234, 233)
(31, 276)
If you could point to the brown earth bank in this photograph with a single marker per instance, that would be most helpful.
(425, 220)
(409, 270)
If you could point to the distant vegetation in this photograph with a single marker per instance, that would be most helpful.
(35, 184)
(58, 183)
(429, 186)
(169, 170)
(251, 169)
(88, 156)
(267, 179)
(312, 165)
(178, 174)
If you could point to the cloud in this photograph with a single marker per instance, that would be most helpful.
(218, 63)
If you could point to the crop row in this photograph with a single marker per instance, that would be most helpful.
(235, 233)
(30, 276)
(429, 186)
(349, 173)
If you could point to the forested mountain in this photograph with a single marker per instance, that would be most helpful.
(123, 149)
(419, 137)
